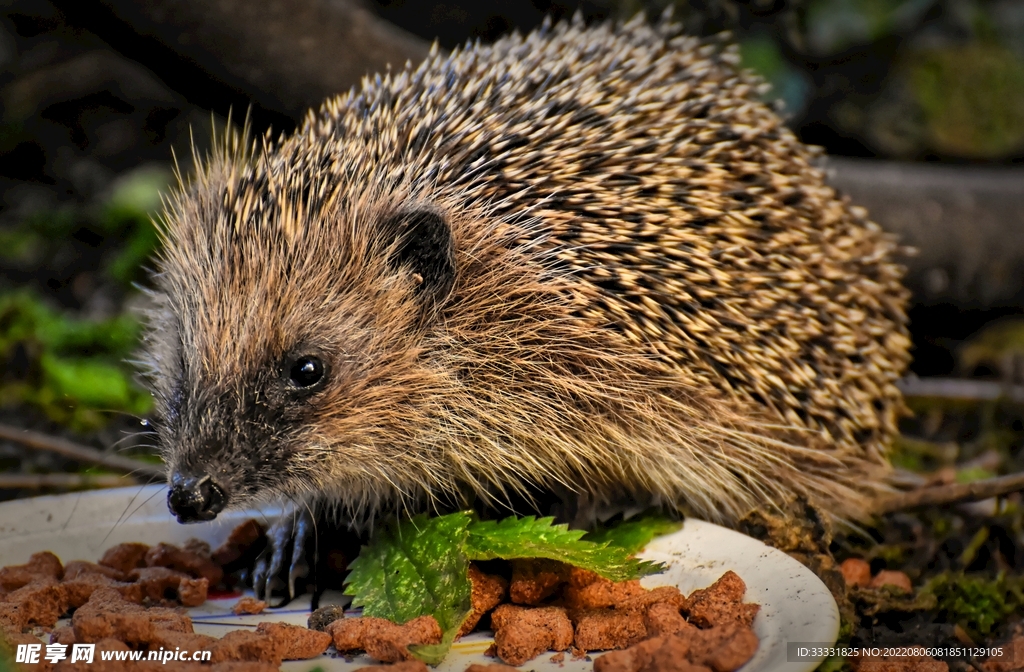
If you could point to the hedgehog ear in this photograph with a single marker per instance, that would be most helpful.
(424, 245)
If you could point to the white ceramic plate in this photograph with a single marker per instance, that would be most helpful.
(795, 605)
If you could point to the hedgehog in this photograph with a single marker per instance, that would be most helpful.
(587, 261)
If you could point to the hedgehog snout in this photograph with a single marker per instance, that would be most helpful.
(195, 499)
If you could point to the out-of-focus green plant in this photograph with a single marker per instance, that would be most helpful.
(836, 25)
(971, 98)
(134, 200)
(123, 220)
(71, 369)
(977, 603)
(762, 55)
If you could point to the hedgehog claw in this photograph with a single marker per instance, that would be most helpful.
(283, 561)
(305, 529)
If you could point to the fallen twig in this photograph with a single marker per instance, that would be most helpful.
(954, 493)
(63, 481)
(76, 451)
(961, 389)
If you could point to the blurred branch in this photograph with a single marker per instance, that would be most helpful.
(966, 222)
(78, 452)
(961, 389)
(953, 493)
(62, 481)
(289, 55)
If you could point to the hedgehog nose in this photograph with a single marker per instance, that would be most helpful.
(193, 499)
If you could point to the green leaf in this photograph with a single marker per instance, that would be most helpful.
(633, 534)
(414, 568)
(530, 537)
(433, 654)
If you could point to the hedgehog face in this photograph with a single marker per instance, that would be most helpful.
(297, 368)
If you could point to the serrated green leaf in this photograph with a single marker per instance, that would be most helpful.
(634, 534)
(414, 568)
(433, 654)
(530, 537)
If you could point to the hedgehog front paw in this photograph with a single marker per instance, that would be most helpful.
(284, 561)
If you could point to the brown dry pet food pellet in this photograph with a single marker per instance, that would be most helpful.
(536, 579)
(9, 640)
(64, 635)
(381, 638)
(720, 603)
(856, 572)
(77, 568)
(603, 629)
(404, 666)
(12, 619)
(392, 645)
(579, 577)
(663, 618)
(297, 642)
(643, 601)
(39, 565)
(723, 648)
(192, 592)
(347, 633)
(186, 641)
(41, 602)
(671, 657)
(81, 588)
(1012, 657)
(238, 542)
(193, 564)
(888, 577)
(125, 557)
(600, 593)
(247, 645)
(908, 664)
(488, 592)
(633, 659)
(248, 605)
(521, 634)
(158, 583)
(107, 615)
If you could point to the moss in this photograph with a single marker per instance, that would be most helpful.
(977, 603)
(972, 99)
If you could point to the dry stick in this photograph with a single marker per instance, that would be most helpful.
(76, 451)
(960, 389)
(63, 481)
(953, 493)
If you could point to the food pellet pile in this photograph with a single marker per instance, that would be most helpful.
(135, 598)
(548, 606)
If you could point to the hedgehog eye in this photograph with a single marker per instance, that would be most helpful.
(306, 371)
